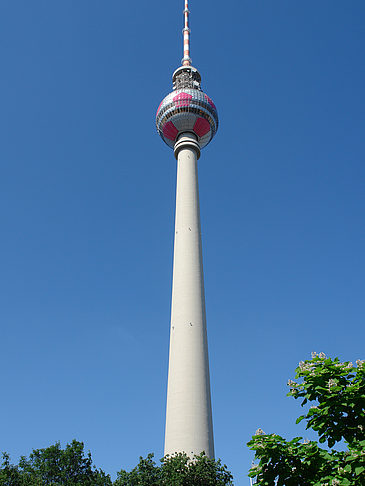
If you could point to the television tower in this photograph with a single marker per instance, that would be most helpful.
(187, 120)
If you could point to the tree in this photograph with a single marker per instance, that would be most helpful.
(337, 393)
(54, 466)
(146, 472)
(177, 470)
(9, 474)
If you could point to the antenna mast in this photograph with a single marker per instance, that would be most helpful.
(186, 61)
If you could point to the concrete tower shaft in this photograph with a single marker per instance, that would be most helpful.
(188, 415)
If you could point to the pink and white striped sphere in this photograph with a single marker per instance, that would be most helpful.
(187, 110)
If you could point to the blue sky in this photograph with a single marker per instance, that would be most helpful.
(87, 194)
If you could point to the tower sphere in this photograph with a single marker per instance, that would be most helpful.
(187, 109)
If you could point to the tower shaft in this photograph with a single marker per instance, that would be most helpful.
(188, 415)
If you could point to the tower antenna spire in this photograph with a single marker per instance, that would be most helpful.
(186, 61)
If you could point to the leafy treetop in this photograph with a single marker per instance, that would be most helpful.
(337, 392)
(55, 466)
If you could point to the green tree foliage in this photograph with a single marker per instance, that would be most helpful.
(176, 470)
(336, 391)
(146, 472)
(55, 466)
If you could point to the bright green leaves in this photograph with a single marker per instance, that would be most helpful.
(291, 463)
(337, 391)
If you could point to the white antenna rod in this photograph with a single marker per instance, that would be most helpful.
(186, 61)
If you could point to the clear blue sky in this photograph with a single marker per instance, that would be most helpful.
(87, 194)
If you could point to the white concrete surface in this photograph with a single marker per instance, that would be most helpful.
(189, 415)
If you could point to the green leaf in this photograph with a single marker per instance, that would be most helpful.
(299, 419)
(345, 482)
